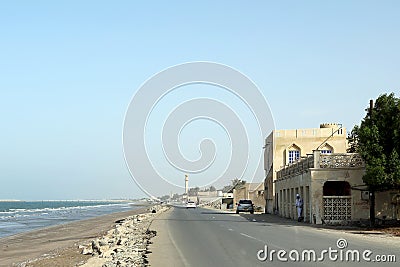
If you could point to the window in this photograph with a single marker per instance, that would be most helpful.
(293, 155)
(326, 149)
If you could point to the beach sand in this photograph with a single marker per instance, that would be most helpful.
(57, 245)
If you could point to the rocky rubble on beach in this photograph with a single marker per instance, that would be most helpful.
(125, 244)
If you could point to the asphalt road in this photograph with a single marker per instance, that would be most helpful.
(204, 237)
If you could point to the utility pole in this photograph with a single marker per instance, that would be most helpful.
(371, 188)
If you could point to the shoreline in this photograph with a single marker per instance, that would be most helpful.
(58, 245)
(23, 219)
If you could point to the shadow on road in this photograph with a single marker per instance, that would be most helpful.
(265, 220)
(271, 219)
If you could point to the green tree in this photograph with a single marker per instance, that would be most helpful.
(238, 183)
(377, 140)
(164, 198)
(378, 143)
(352, 140)
(193, 191)
(176, 196)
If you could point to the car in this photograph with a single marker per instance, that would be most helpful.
(190, 205)
(245, 205)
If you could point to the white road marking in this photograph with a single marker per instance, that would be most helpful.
(230, 229)
(181, 255)
(249, 236)
(259, 240)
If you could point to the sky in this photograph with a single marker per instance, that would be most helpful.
(69, 69)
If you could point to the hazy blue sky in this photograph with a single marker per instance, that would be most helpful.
(68, 70)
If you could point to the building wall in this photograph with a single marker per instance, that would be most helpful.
(310, 187)
(286, 191)
(251, 191)
(388, 205)
(257, 196)
(238, 194)
(360, 208)
(269, 187)
(308, 178)
(279, 142)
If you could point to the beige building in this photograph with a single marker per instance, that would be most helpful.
(314, 164)
(332, 189)
(252, 191)
(285, 147)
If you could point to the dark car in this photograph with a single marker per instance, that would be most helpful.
(245, 205)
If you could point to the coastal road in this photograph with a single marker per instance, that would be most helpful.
(205, 237)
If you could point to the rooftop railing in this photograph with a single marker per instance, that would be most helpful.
(321, 161)
(342, 160)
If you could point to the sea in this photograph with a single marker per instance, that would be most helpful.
(22, 216)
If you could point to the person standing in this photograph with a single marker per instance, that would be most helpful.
(299, 206)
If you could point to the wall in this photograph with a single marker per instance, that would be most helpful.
(258, 197)
(287, 189)
(388, 205)
(250, 191)
(360, 208)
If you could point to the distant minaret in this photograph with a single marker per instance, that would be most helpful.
(186, 184)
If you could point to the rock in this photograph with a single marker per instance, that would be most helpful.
(96, 247)
(103, 242)
(118, 250)
(126, 244)
(87, 251)
(109, 264)
(151, 233)
(120, 221)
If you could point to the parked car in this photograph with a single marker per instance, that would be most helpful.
(245, 205)
(190, 205)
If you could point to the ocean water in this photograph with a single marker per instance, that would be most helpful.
(22, 216)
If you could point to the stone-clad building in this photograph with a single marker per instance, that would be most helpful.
(314, 164)
(284, 147)
(331, 187)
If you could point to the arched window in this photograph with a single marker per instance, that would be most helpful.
(326, 149)
(294, 153)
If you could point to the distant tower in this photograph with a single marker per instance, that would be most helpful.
(186, 184)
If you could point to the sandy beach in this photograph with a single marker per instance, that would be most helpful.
(59, 245)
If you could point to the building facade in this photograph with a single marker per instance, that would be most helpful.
(252, 191)
(285, 147)
(332, 189)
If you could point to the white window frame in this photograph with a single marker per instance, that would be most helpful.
(293, 155)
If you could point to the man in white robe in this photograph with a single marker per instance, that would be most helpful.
(299, 206)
